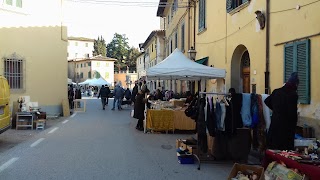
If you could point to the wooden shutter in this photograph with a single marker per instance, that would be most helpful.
(288, 60)
(229, 5)
(303, 69)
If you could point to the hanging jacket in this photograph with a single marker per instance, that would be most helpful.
(218, 115)
(245, 110)
(201, 127)
(254, 110)
(211, 123)
(266, 112)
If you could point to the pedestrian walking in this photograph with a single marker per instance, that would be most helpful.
(108, 93)
(118, 95)
(70, 96)
(78, 95)
(127, 94)
(103, 94)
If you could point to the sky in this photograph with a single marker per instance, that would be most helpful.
(92, 18)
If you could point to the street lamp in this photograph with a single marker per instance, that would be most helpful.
(192, 53)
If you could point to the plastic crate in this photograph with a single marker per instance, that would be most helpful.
(185, 160)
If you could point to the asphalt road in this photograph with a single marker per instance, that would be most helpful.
(101, 144)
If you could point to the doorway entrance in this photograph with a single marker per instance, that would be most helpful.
(245, 66)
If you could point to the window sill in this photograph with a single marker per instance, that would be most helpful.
(17, 91)
(239, 8)
(202, 31)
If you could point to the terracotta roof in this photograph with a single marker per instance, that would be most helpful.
(95, 58)
(151, 35)
(161, 7)
(80, 39)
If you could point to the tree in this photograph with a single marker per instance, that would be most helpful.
(99, 47)
(118, 48)
(132, 56)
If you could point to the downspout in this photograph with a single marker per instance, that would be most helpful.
(267, 73)
(194, 24)
(189, 17)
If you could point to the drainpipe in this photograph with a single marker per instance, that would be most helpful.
(267, 73)
(194, 24)
(189, 17)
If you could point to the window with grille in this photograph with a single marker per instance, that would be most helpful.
(89, 74)
(297, 59)
(14, 72)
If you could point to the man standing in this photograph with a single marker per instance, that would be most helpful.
(118, 95)
(283, 103)
(104, 94)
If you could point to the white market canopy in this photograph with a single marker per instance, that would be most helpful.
(99, 82)
(85, 82)
(178, 67)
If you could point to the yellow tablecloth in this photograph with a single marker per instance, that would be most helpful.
(163, 120)
(160, 120)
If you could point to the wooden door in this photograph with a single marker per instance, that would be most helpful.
(245, 61)
(246, 82)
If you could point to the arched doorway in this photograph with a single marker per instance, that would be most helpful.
(240, 70)
(245, 68)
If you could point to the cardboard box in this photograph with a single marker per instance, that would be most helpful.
(243, 168)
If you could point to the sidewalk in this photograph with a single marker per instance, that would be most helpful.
(13, 137)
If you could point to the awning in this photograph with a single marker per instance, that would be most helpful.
(203, 61)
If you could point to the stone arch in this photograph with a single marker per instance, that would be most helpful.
(240, 69)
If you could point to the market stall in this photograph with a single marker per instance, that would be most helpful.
(178, 67)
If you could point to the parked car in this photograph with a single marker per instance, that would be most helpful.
(5, 116)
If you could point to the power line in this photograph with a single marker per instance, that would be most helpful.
(284, 10)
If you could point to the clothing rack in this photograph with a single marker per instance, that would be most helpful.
(197, 155)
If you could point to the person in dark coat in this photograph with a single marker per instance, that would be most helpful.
(158, 95)
(103, 94)
(108, 94)
(134, 92)
(78, 95)
(127, 94)
(70, 96)
(139, 107)
(283, 103)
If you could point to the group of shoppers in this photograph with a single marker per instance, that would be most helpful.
(74, 92)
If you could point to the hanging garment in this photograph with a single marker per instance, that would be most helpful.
(201, 127)
(211, 123)
(266, 112)
(223, 116)
(254, 110)
(218, 115)
(261, 126)
(245, 110)
(236, 102)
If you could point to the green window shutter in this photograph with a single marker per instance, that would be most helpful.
(19, 3)
(303, 69)
(229, 5)
(288, 60)
(182, 37)
(244, 1)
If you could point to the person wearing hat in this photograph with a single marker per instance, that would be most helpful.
(283, 103)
